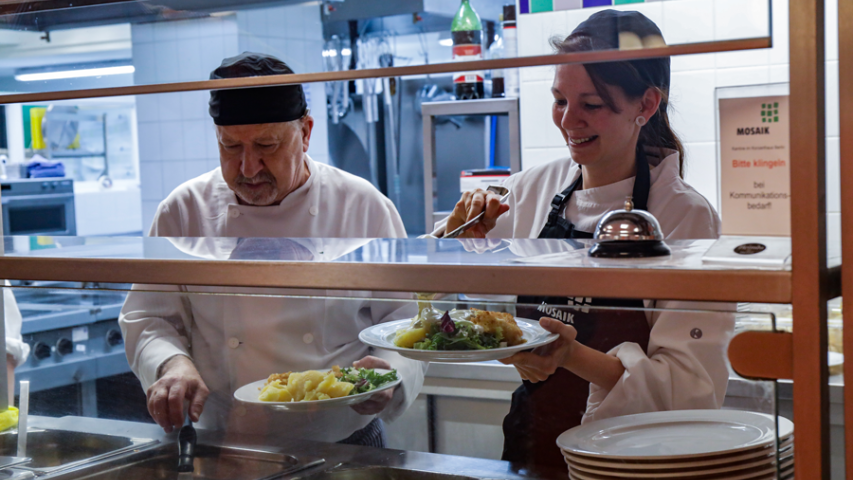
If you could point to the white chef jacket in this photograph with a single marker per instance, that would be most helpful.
(15, 345)
(676, 372)
(236, 340)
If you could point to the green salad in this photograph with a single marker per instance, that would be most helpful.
(459, 335)
(366, 380)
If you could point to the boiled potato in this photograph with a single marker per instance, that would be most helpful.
(409, 337)
(305, 386)
(275, 392)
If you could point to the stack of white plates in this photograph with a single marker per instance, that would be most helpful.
(694, 444)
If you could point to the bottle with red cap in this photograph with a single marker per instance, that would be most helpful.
(467, 34)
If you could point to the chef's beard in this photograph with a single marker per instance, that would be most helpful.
(260, 197)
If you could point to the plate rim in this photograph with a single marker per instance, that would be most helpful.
(327, 402)
(769, 460)
(786, 428)
(749, 476)
(645, 464)
(449, 356)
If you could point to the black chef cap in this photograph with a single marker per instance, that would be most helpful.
(247, 106)
(604, 28)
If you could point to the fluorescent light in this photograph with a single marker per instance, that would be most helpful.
(334, 53)
(446, 42)
(83, 72)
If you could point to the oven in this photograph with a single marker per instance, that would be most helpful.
(38, 206)
(75, 346)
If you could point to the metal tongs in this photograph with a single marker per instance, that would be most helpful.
(502, 191)
(186, 449)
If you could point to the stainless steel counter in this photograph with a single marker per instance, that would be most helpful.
(335, 455)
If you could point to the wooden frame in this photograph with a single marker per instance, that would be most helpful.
(808, 286)
(810, 278)
(845, 85)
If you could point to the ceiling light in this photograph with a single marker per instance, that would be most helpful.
(83, 72)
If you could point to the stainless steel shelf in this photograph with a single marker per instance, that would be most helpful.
(432, 69)
(411, 265)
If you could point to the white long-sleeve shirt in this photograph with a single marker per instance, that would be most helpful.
(677, 371)
(15, 345)
(235, 340)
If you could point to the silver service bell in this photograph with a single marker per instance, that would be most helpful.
(628, 233)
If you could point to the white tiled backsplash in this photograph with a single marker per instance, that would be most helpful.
(177, 140)
(694, 77)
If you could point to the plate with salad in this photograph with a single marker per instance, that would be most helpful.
(457, 335)
(318, 389)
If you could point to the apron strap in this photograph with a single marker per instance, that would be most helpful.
(558, 227)
(642, 182)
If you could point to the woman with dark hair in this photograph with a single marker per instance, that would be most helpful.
(608, 361)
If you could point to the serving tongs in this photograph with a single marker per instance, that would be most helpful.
(502, 191)
(186, 449)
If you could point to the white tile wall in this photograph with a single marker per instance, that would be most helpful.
(694, 77)
(692, 105)
(537, 101)
(734, 19)
(700, 169)
(177, 140)
(108, 212)
(733, 77)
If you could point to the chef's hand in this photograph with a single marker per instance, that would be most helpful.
(469, 206)
(542, 362)
(179, 381)
(377, 401)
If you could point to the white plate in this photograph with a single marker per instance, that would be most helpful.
(734, 468)
(786, 451)
(683, 465)
(673, 434)
(754, 473)
(249, 394)
(382, 336)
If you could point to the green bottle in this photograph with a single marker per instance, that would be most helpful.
(467, 34)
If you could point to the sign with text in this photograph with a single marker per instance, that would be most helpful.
(755, 174)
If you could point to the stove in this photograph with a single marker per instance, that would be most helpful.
(74, 339)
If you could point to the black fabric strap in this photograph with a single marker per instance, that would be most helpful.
(559, 227)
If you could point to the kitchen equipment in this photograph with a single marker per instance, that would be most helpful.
(628, 233)
(24, 412)
(6, 462)
(211, 463)
(53, 451)
(360, 472)
(74, 339)
(382, 336)
(503, 191)
(456, 148)
(711, 444)
(249, 394)
(38, 206)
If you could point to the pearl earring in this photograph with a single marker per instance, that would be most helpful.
(640, 120)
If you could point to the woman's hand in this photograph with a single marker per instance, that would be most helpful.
(377, 401)
(469, 206)
(591, 365)
(540, 364)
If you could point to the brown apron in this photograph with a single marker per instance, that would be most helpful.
(540, 412)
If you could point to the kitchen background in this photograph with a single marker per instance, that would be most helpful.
(133, 152)
(170, 139)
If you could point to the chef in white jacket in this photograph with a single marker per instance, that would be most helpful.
(17, 350)
(607, 362)
(185, 346)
